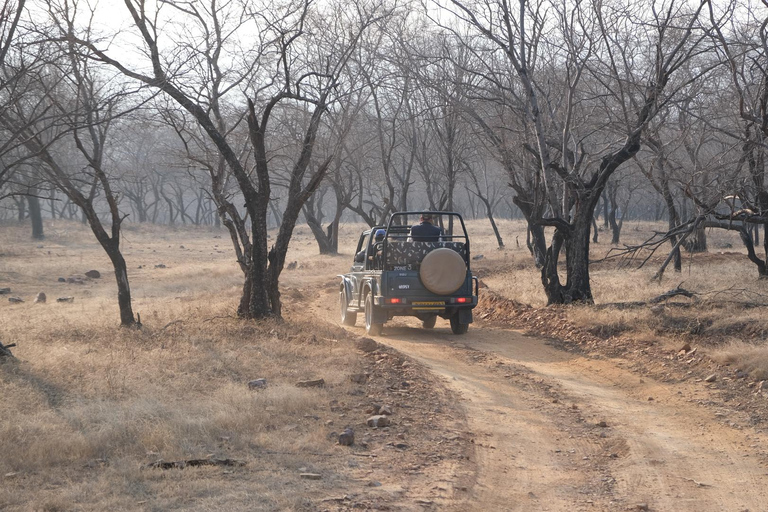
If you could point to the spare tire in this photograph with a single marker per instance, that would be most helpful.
(443, 271)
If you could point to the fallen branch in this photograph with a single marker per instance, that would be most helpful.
(4, 352)
(171, 323)
(673, 293)
(181, 464)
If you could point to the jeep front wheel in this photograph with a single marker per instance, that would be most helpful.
(371, 328)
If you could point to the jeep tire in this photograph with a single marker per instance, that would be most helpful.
(443, 271)
(371, 328)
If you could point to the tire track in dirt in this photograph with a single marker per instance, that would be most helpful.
(556, 431)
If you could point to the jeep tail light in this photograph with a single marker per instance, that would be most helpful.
(461, 300)
(395, 301)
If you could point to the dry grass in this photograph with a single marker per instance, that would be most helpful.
(751, 359)
(88, 403)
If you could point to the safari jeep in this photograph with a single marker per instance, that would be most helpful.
(393, 275)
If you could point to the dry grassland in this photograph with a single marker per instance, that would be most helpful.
(89, 403)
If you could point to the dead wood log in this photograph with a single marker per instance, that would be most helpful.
(181, 464)
(4, 352)
(673, 293)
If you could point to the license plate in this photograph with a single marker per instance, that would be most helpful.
(440, 303)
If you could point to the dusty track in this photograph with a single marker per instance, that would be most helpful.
(561, 432)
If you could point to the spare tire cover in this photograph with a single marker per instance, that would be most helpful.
(443, 271)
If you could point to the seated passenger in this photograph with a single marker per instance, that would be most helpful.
(426, 231)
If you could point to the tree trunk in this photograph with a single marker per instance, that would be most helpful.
(36, 216)
(577, 287)
(123, 288)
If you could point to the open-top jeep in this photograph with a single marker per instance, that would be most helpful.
(396, 274)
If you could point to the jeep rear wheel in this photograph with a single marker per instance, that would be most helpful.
(458, 327)
(347, 317)
(429, 322)
(371, 328)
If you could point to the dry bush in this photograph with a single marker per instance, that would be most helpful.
(749, 358)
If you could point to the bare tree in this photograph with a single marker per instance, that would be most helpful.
(594, 52)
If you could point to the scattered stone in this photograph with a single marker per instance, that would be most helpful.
(10, 475)
(359, 378)
(292, 265)
(685, 349)
(311, 476)
(5, 291)
(65, 299)
(366, 345)
(374, 483)
(62, 280)
(478, 257)
(93, 274)
(15, 300)
(602, 424)
(257, 383)
(317, 383)
(378, 421)
(401, 446)
(711, 378)
(347, 438)
(40, 299)
(641, 506)
(385, 410)
(75, 280)
(160, 265)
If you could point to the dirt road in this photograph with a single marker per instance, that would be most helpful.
(561, 432)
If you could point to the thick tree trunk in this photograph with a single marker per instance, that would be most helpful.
(36, 216)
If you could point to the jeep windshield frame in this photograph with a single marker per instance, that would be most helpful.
(399, 228)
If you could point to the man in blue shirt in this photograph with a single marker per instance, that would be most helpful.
(426, 231)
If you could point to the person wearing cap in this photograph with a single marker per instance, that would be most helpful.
(426, 231)
(378, 236)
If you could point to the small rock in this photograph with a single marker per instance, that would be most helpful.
(317, 383)
(359, 378)
(641, 506)
(40, 299)
(478, 257)
(374, 483)
(685, 348)
(5, 291)
(602, 424)
(10, 475)
(366, 345)
(385, 410)
(257, 383)
(61, 280)
(75, 280)
(65, 299)
(292, 265)
(160, 265)
(347, 438)
(311, 476)
(401, 446)
(15, 300)
(93, 274)
(378, 421)
(711, 378)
